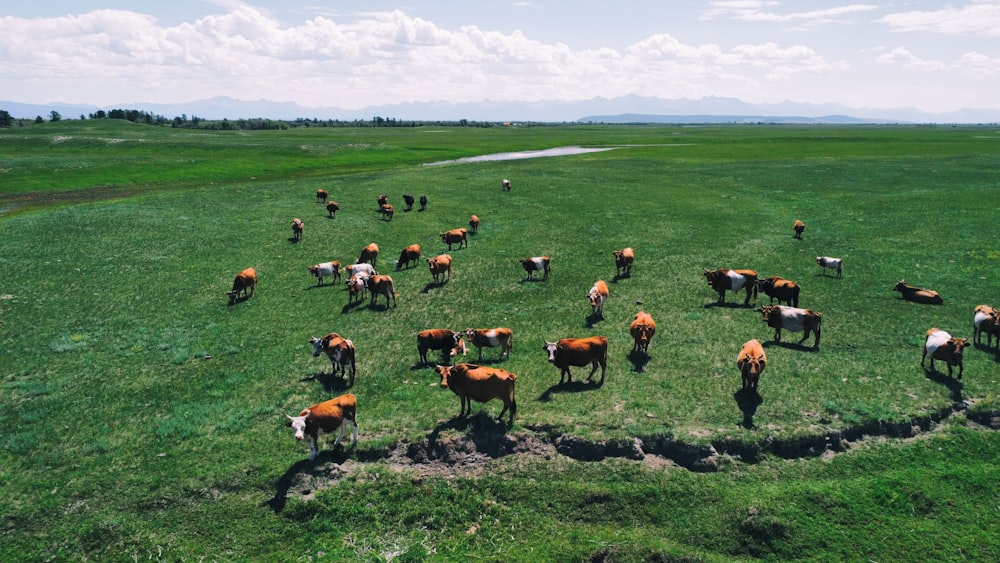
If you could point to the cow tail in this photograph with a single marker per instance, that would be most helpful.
(755, 291)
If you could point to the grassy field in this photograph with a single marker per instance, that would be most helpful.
(144, 416)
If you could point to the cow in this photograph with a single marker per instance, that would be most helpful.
(532, 265)
(623, 261)
(491, 338)
(423, 202)
(569, 352)
(382, 200)
(360, 268)
(297, 228)
(642, 329)
(357, 285)
(917, 295)
(381, 285)
(474, 224)
(409, 254)
(828, 263)
(437, 339)
(723, 279)
(387, 211)
(408, 200)
(598, 294)
(332, 207)
(479, 383)
(321, 195)
(794, 319)
(327, 417)
(781, 289)
(942, 346)
(505, 185)
(369, 254)
(340, 351)
(751, 362)
(440, 266)
(243, 282)
(455, 236)
(798, 227)
(326, 270)
(984, 319)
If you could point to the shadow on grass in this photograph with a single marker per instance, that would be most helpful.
(482, 422)
(432, 285)
(789, 345)
(568, 387)
(592, 319)
(730, 305)
(284, 484)
(294, 240)
(332, 383)
(639, 360)
(748, 400)
(619, 277)
(533, 280)
(350, 305)
(953, 385)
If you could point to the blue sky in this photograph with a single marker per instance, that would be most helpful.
(930, 55)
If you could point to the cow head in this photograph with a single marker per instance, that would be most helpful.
(900, 286)
(318, 345)
(445, 371)
(459, 344)
(768, 312)
(551, 347)
(298, 423)
(711, 276)
(960, 344)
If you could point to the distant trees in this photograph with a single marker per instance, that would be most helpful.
(5, 118)
(54, 116)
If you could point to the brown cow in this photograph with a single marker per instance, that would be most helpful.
(532, 265)
(781, 289)
(751, 362)
(799, 227)
(918, 295)
(598, 294)
(332, 207)
(491, 338)
(642, 329)
(733, 280)
(437, 339)
(244, 281)
(440, 266)
(369, 254)
(478, 383)
(297, 228)
(455, 236)
(327, 417)
(382, 200)
(340, 351)
(387, 211)
(474, 224)
(381, 285)
(569, 352)
(321, 195)
(357, 285)
(623, 261)
(794, 319)
(985, 319)
(326, 270)
(942, 346)
(409, 254)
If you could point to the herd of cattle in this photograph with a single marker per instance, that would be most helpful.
(472, 382)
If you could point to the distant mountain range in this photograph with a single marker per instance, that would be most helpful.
(626, 109)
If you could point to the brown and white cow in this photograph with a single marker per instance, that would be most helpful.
(724, 279)
(830, 263)
(297, 228)
(423, 202)
(387, 211)
(568, 352)
(326, 270)
(918, 295)
(437, 339)
(440, 266)
(781, 289)
(408, 200)
(455, 236)
(409, 254)
(321, 195)
(243, 282)
(479, 383)
(985, 319)
(505, 185)
(751, 362)
(942, 346)
(491, 338)
(534, 264)
(381, 285)
(357, 286)
(623, 261)
(598, 294)
(332, 207)
(474, 224)
(794, 319)
(360, 268)
(340, 351)
(369, 254)
(642, 329)
(325, 417)
(798, 227)
(382, 200)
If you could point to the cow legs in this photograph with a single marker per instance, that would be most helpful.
(569, 376)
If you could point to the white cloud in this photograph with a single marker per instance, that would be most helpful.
(977, 18)
(761, 11)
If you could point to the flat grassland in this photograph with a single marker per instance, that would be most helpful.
(144, 417)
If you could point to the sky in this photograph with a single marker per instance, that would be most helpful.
(930, 55)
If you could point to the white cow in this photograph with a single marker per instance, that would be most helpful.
(828, 263)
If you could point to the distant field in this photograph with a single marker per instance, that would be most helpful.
(145, 415)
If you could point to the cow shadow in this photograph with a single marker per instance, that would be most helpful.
(592, 319)
(789, 345)
(619, 277)
(533, 280)
(639, 360)
(748, 399)
(481, 421)
(568, 387)
(953, 385)
(352, 305)
(294, 240)
(284, 483)
(433, 285)
(378, 306)
(331, 383)
(728, 305)
(238, 300)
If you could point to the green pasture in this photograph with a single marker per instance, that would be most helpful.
(143, 416)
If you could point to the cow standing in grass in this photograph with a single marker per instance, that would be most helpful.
(781, 289)
(479, 383)
(985, 319)
(722, 280)
(455, 236)
(440, 266)
(794, 319)
(534, 264)
(940, 345)
(409, 254)
(474, 224)
(568, 352)
(408, 200)
(325, 417)
(830, 263)
(321, 195)
(491, 338)
(623, 262)
(642, 329)
(326, 270)
(751, 362)
(297, 228)
(598, 294)
(332, 207)
(369, 254)
(243, 282)
(437, 339)
(798, 227)
(339, 350)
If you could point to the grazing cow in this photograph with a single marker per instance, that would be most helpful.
(623, 261)
(409, 254)
(799, 227)
(326, 417)
(360, 268)
(642, 329)
(437, 339)
(794, 319)
(297, 228)
(532, 265)
(321, 195)
(942, 346)
(357, 285)
(491, 338)
(408, 200)
(505, 185)
(423, 202)
(474, 224)
(733, 280)
(243, 282)
(751, 362)
(598, 294)
(568, 352)
(369, 254)
(326, 270)
(455, 236)
(781, 289)
(387, 211)
(828, 263)
(340, 351)
(381, 285)
(478, 383)
(382, 200)
(332, 207)
(440, 266)
(918, 295)
(984, 319)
